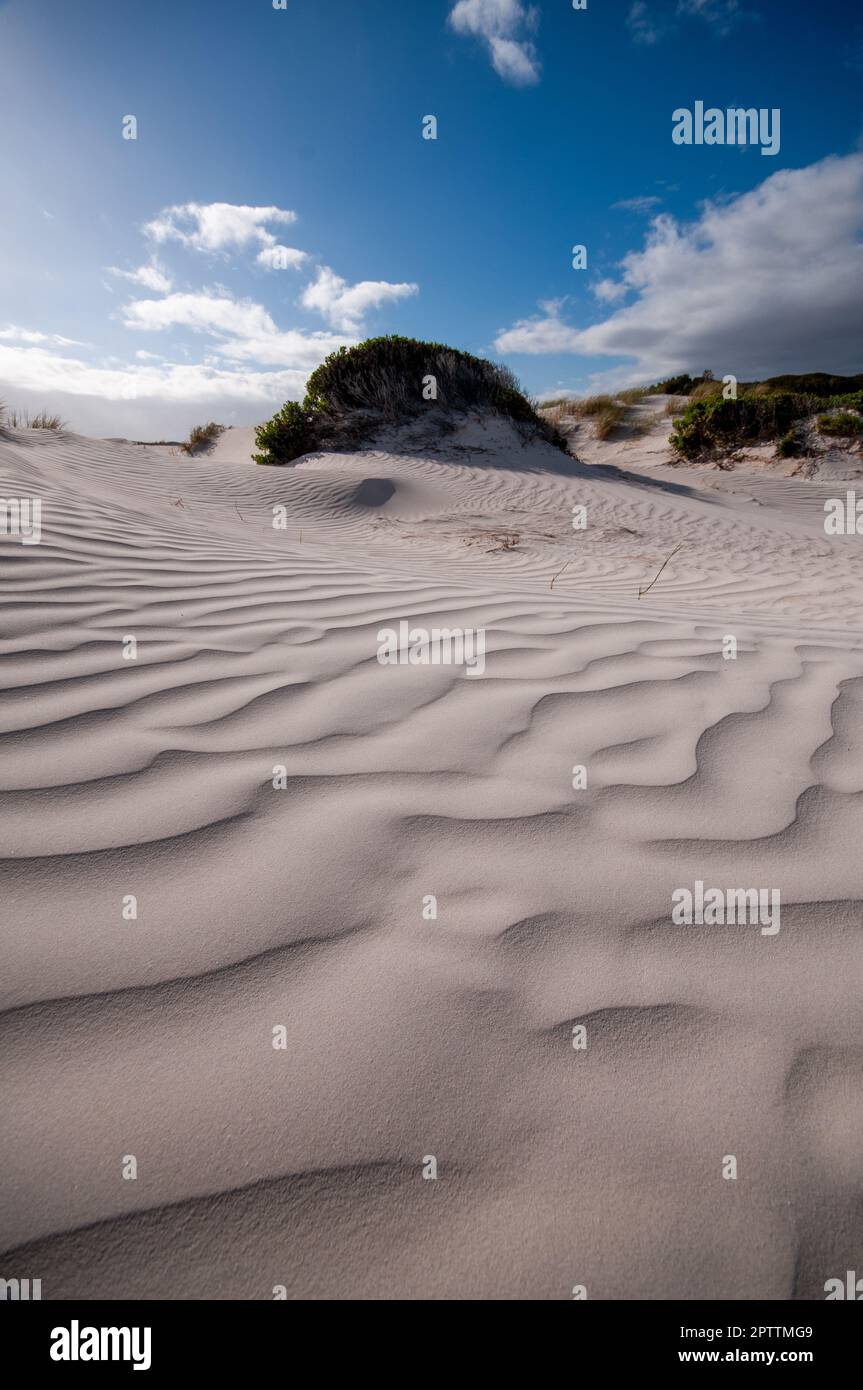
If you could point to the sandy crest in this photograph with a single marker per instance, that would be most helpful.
(302, 907)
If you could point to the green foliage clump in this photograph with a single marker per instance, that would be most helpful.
(288, 435)
(843, 424)
(714, 423)
(381, 381)
(788, 446)
(815, 384)
(819, 384)
(673, 386)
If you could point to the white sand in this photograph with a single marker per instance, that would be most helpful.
(303, 907)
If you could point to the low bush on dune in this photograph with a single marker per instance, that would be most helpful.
(790, 445)
(817, 384)
(391, 381)
(672, 386)
(202, 436)
(714, 424)
(843, 423)
(717, 424)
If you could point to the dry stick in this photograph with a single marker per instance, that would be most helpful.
(641, 592)
(559, 573)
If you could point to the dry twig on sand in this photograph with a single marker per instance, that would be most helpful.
(642, 592)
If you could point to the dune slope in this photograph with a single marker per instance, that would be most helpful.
(300, 906)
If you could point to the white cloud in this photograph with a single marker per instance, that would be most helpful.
(642, 26)
(609, 291)
(643, 204)
(242, 330)
(546, 334)
(205, 311)
(35, 369)
(217, 227)
(11, 334)
(247, 359)
(502, 25)
(721, 15)
(278, 257)
(151, 277)
(768, 282)
(343, 305)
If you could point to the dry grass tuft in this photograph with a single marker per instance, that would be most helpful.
(201, 437)
(23, 420)
(704, 390)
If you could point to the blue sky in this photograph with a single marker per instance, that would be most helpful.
(554, 129)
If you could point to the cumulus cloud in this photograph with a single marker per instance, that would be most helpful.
(246, 357)
(150, 276)
(241, 329)
(205, 311)
(343, 305)
(217, 227)
(280, 257)
(502, 25)
(609, 291)
(767, 282)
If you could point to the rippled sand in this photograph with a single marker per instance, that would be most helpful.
(302, 907)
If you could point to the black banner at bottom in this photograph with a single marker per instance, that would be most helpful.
(160, 1339)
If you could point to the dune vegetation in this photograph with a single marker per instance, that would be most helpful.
(27, 420)
(392, 381)
(711, 423)
(201, 437)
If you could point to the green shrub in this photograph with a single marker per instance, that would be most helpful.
(673, 386)
(359, 389)
(788, 446)
(287, 436)
(843, 424)
(715, 423)
(815, 384)
(819, 384)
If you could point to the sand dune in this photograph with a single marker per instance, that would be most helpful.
(302, 907)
